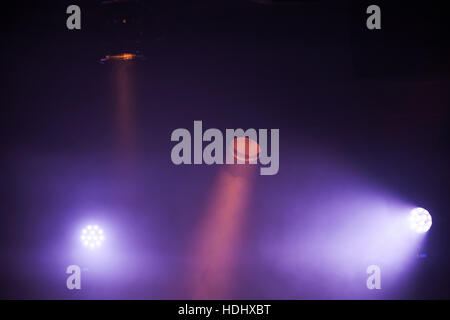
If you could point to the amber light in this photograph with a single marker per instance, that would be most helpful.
(123, 57)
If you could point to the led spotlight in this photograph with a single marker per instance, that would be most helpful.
(92, 236)
(420, 220)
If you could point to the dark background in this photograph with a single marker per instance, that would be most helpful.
(379, 99)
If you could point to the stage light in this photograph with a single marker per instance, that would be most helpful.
(420, 220)
(245, 149)
(122, 57)
(92, 236)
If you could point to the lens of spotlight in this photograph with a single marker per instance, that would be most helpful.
(420, 220)
(245, 149)
(92, 236)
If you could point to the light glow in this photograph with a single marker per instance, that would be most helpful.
(420, 220)
(122, 57)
